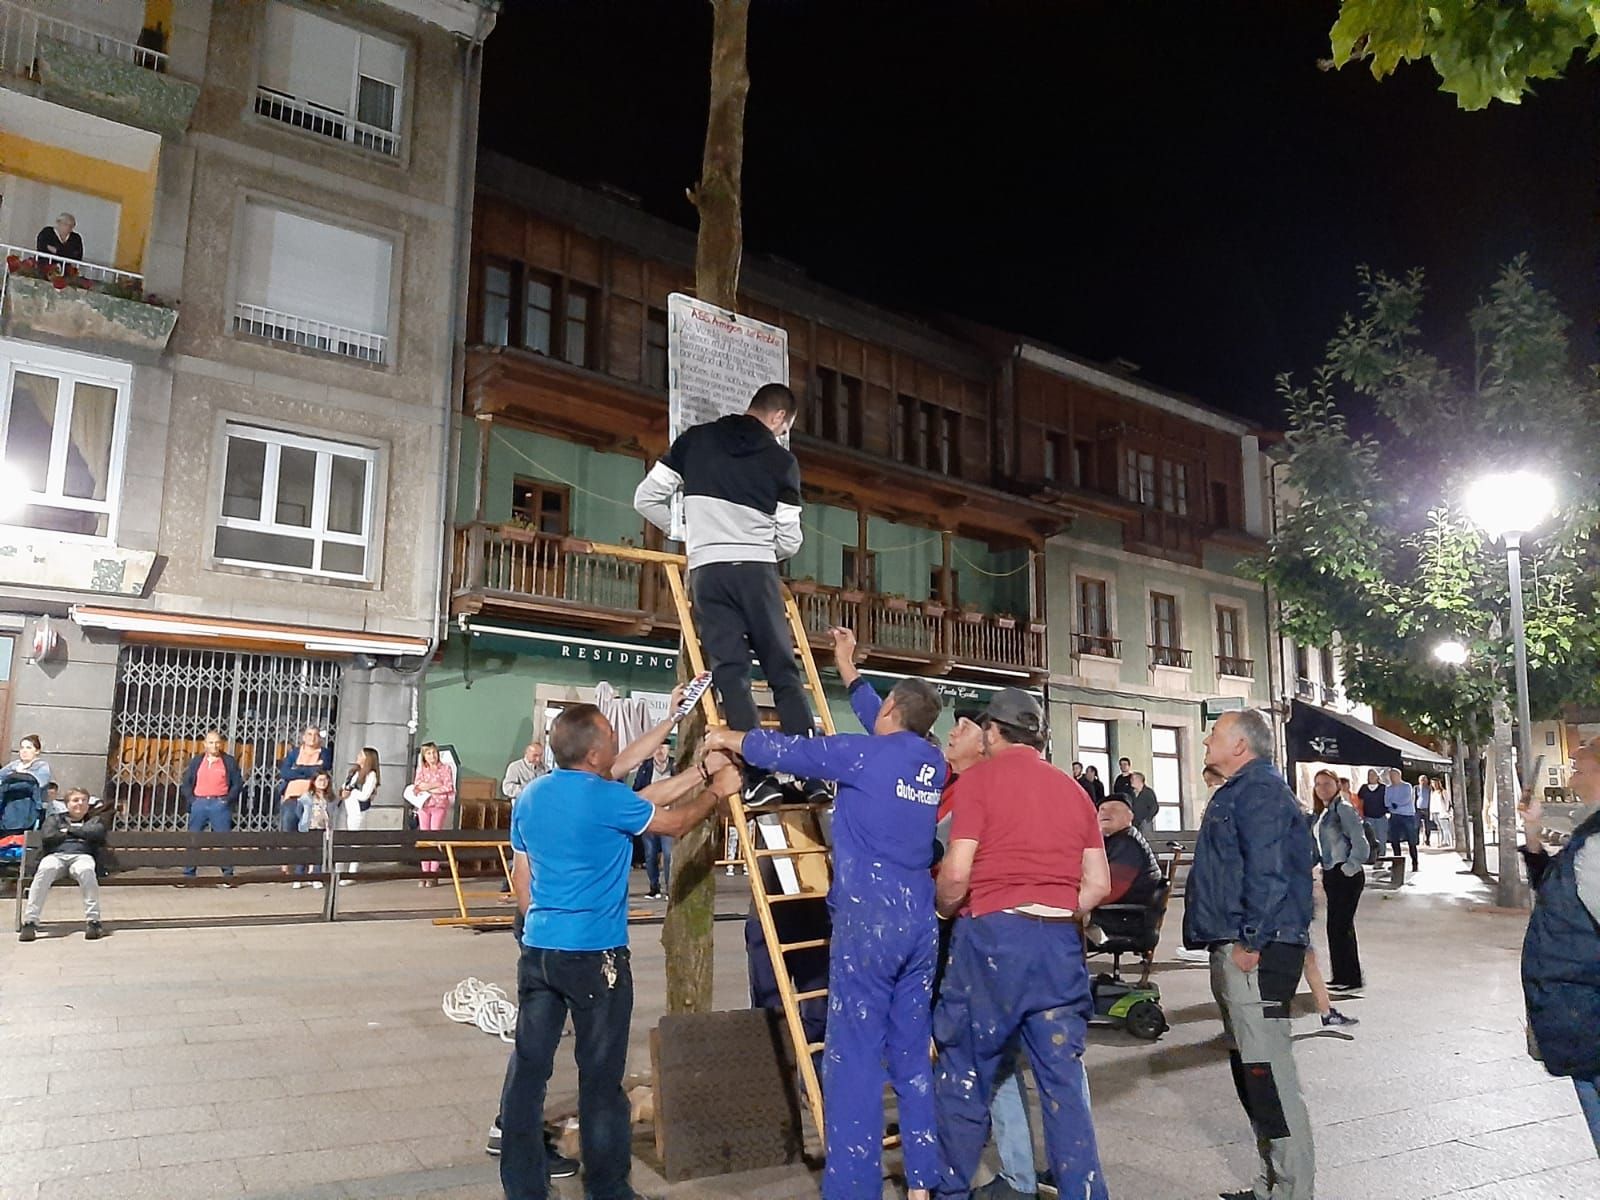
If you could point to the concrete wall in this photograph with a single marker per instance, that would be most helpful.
(66, 700)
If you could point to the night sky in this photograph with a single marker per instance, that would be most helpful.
(1173, 183)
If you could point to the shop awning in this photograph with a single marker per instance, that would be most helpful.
(1321, 735)
(231, 632)
(575, 647)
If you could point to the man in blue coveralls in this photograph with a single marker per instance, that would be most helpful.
(881, 961)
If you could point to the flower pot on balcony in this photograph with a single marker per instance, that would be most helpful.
(852, 596)
(971, 616)
(896, 603)
(932, 608)
(1037, 627)
(1005, 621)
(804, 587)
(94, 321)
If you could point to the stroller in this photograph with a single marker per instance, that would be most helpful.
(21, 810)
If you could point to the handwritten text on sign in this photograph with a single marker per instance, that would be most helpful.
(716, 360)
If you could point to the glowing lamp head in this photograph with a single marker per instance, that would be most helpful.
(1451, 653)
(1510, 502)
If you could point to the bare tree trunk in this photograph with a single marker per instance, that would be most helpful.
(1509, 892)
(686, 933)
(1458, 797)
(1474, 822)
(717, 195)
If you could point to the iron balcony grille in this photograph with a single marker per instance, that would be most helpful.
(1169, 656)
(1099, 645)
(1227, 664)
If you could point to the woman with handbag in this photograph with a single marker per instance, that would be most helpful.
(356, 796)
(431, 793)
(295, 773)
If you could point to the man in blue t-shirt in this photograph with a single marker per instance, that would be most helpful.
(572, 831)
(885, 937)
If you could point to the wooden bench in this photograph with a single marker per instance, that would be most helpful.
(1175, 848)
(129, 852)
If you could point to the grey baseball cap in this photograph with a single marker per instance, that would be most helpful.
(1015, 707)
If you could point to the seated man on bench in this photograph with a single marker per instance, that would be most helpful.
(1136, 879)
(72, 843)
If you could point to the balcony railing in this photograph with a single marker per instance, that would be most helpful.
(562, 575)
(1097, 644)
(68, 266)
(257, 321)
(1169, 656)
(22, 27)
(1305, 689)
(1227, 664)
(325, 122)
(1330, 695)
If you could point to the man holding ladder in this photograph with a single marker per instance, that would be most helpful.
(881, 959)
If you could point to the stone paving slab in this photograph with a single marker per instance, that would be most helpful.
(308, 1061)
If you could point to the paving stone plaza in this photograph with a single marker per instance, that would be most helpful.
(236, 1055)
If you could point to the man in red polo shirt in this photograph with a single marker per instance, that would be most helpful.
(1026, 863)
(211, 784)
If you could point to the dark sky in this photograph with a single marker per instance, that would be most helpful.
(1174, 183)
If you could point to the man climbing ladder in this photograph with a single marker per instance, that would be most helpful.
(741, 507)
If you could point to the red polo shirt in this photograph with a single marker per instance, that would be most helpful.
(211, 779)
(1032, 824)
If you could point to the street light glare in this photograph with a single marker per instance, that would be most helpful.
(1451, 653)
(1509, 502)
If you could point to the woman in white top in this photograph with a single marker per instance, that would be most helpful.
(359, 791)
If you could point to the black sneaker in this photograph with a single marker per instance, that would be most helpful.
(92, 931)
(28, 932)
(763, 792)
(493, 1145)
(818, 792)
(558, 1164)
(1337, 1020)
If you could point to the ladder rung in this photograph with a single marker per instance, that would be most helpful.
(792, 851)
(891, 1141)
(816, 994)
(779, 897)
(813, 944)
(813, 1047)
(751, 814)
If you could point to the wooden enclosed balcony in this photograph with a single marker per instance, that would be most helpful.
(517, 572)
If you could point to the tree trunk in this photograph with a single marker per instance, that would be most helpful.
(717, 195)
(686, 933)
(1474, 822)
(1509, 892)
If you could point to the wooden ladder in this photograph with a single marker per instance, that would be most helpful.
(805, 855)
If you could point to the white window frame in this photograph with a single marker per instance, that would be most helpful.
(353, 131)
(68, 369)
(325, 448)
(1091, 756)
(1179, 757)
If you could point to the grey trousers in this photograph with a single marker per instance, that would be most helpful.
(1255, 1016)
(51, 868)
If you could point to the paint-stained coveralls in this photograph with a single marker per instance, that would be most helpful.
(881, 961)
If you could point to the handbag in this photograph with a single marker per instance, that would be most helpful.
(413, 797)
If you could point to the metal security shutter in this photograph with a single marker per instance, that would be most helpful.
(168, 696)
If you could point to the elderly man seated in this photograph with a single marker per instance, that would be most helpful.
(72, 842)
(1136, 878)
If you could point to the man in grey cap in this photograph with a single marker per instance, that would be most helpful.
(1026, 861)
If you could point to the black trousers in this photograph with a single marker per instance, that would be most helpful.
(738, 610)
(1344, 895)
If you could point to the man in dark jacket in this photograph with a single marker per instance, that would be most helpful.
(1141, 797)
(741, 509)
(1248, 901)
(72, 840)
(1123, 784)
(211, 784)
(1561, 953)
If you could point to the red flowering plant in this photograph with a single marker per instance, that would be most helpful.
(64, 275)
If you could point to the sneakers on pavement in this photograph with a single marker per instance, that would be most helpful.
(558, 1165)
(1337, 1020)
(654, 896)
(92, 931)
(1184, 954)
(28, 932)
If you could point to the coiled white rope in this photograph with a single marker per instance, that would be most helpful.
(474, 1002)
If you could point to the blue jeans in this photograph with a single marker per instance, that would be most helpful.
(1015, 979)
(1589, 1099)
(289, 817)
(596, 987)
(209, 815)
(1013, 1135)
(658, 860)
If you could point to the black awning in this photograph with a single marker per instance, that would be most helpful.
(1321, 735)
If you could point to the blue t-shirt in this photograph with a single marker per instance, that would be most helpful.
(577, 830)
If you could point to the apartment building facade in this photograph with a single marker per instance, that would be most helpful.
(941, 520)
(227, 427)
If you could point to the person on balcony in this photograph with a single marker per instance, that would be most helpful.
(61, 239)
(741, 507)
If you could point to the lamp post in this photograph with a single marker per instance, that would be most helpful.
(1506, 506)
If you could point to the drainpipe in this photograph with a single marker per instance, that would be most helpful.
(1273, 606)
(471, 72)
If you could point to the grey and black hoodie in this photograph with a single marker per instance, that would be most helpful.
(741, 492)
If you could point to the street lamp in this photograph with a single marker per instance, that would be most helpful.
(1505, 506)
(1451, 653)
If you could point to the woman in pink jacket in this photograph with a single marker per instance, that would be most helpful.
(435, 787)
